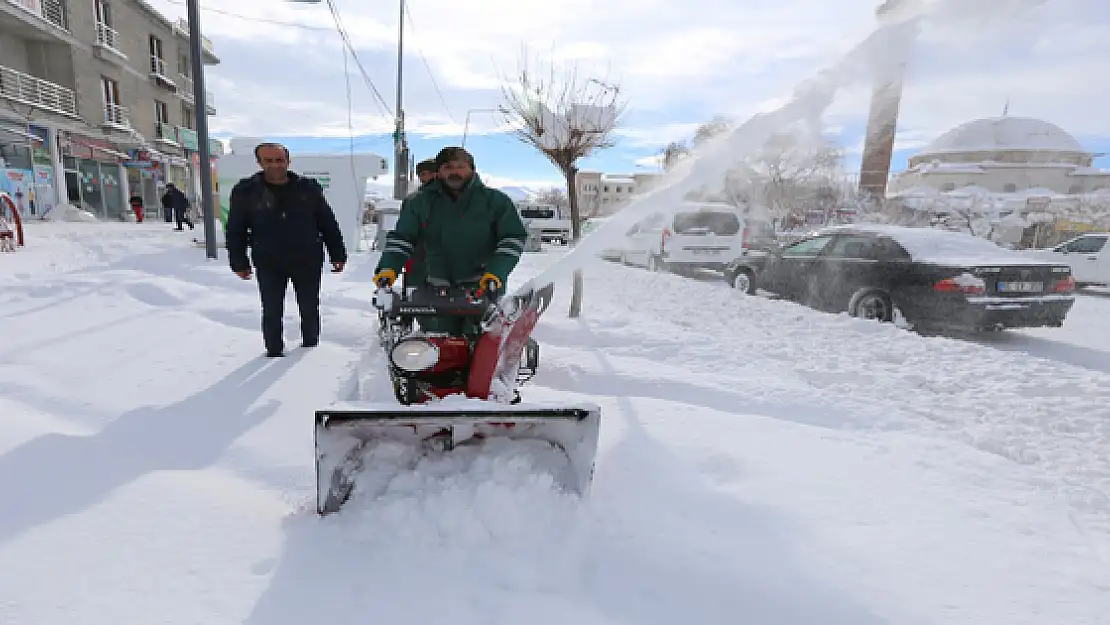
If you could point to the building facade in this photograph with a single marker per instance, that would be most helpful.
(96, 105)
(605, 194)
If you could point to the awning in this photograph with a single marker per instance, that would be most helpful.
(107, 151)
(20, 133)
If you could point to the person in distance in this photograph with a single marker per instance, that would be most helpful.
(286, 221)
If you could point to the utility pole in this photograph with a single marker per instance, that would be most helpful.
(400, 144)
(200, 106)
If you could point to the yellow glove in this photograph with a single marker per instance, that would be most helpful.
(490, 281)
(385, 277)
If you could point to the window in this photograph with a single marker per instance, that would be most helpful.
(183, 66)
(188, 117)
(1084, 245)
(808, 247)
(161, 112)
(537, 213)
(157, 63)
(866, 248)
(948, 186)
(706, 222)
(1009, 188)
(1075, 189)
(103, 13)
(113, 112)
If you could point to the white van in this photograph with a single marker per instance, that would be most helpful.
(698, 235)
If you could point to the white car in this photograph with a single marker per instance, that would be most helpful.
(1088, 255)
(698, 235)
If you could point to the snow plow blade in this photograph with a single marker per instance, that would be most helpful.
(346, 435)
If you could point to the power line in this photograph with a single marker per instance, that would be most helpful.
(431, 74)
(351, 48)
(253, 18)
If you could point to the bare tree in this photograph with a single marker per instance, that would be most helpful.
(554, 197)
(566, 117)
(674, 152)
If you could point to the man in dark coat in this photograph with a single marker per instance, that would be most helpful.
(175, 201)
(472, 234)
(287, 222)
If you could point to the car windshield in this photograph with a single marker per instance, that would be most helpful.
(706, 222)
(537, 213)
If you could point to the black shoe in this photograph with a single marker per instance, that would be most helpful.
(272, 353)
(310, 343)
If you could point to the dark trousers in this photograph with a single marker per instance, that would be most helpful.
(272, 285)
(179, 214)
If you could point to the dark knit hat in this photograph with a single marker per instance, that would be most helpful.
(452, 153)
(427, 165)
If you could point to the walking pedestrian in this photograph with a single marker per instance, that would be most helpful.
(287, 222)
(174, 200)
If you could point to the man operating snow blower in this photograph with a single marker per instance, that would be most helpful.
(455, 378)
(471, 235)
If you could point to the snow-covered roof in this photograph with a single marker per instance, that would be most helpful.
(994, 134)
(941, 247)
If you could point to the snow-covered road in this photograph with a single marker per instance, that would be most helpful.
(760, 462)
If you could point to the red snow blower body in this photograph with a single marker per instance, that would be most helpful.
(453, 388)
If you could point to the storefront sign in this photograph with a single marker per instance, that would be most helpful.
(188, 139)
(323, 177)
(88, 148)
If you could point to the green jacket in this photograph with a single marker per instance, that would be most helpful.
(462, 239)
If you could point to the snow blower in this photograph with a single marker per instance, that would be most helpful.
(453, 389)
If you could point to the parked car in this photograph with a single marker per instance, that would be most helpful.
(938, 280)
(698, 235)
(1088, 255)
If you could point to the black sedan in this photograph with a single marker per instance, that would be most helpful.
(938, 280)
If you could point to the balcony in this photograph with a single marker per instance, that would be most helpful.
(52, 12)
(116, 117)
(108, 44)
(28, 90)
(185, 91)
(166, 133)
(181, 27)
(160, 74)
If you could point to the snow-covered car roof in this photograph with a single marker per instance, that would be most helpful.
(943, 247)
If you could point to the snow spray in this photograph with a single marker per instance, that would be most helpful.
(709, 164)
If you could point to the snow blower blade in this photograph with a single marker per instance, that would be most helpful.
(347, 434)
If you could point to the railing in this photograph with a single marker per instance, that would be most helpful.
(107, 36)
(116, 115)
(165, 132)
(53, 11)
(185, 88)
(182, 25)
(27, 89)
(158, 66)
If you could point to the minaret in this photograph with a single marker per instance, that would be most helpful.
(886, 98)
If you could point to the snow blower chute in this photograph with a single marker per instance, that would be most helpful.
(454, 388)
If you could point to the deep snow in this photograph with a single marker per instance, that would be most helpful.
(760, 462)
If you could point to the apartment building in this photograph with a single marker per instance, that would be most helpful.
(96, 105)
(605, 194)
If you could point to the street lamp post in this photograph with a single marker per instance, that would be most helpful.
(466, 124)
(196, 54)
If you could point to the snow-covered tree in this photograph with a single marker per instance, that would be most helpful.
(566, 117)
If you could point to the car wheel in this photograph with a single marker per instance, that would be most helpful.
(872, 304)
(744, 281)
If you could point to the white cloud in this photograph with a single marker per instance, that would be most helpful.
(677, 66)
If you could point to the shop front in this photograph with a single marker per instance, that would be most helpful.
(94, 175)
(145, 177)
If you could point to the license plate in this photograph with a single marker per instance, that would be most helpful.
(1020, 287)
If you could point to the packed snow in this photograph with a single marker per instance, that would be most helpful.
(760, 463)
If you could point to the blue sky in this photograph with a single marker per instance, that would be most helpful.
(282, 77)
